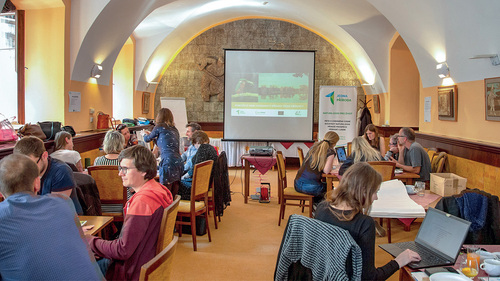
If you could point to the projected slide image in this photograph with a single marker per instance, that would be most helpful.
(271, 95)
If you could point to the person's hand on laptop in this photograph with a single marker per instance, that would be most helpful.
(406, 257)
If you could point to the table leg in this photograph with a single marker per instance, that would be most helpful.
(389, 230)
(329, 184)
(247, 180)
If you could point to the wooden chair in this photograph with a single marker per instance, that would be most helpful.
(438, 161)
(301, 155)
(167, 225)
(289, 193)
(385, 168)
(112, 193)
(198, 205)
(349, 148)
(160, 267)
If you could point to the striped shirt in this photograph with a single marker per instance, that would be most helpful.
(103, 161)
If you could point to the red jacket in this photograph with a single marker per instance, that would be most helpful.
(137, 242)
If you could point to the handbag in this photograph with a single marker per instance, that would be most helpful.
(103, 121)
(69, 129)
(50, 128)
(31, 130)
(7, 132)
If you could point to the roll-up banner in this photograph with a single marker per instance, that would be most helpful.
(337, 112)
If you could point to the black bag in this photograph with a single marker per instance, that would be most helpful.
(50, 128)
(69, 129)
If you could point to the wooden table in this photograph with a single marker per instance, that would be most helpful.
(406, 177)
(405, 272)
(99, 223)
(261, 163)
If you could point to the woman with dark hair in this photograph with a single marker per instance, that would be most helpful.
(374, 138)
(167, 140)
(204, 152)
(319, 160)
(346, 207)
(130, 139)
(64, 150)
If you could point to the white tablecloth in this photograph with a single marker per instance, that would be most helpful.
(393, 202)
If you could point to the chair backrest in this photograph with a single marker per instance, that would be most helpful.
(349, 148)
(201, 179)
(438, 161)
(109, 183)
(160, 267)
(431, 152)
(385, 168)
(281, 173)
(301, 155)
(167, 225)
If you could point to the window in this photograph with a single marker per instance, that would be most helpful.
(8, 73)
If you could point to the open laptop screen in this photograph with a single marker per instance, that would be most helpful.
(443, 232)
(341, 155)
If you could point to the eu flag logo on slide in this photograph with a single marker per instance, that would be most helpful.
(331, 96)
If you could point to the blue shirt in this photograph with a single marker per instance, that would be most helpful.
(59, 177)
(187, 156)
(40, 239)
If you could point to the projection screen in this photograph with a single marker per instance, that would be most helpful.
(268, 95)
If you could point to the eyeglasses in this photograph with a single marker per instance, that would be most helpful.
(39, 158)
(124, 170)
(393, 143)
(401, 136)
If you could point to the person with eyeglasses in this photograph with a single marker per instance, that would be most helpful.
(412, 156)
(393, 148)
(123, 257)
(56, 176)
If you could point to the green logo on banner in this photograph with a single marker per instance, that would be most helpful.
(331, 96)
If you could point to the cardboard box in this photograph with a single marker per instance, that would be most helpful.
(447, 184)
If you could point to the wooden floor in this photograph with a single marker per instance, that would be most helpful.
(246, 245)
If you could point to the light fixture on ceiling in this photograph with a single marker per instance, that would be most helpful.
(493, 57)
(96, 71)
(442, 70)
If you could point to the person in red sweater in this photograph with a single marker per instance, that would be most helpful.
(123, 257)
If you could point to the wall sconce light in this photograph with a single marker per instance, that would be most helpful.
(96, 71)
(493, 58)
(442, 70)
(152, 83)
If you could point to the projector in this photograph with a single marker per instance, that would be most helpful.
(261, 150)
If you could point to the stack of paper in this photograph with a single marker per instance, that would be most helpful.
(394, 202)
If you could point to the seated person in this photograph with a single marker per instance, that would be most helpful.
(319, 160)
(123, 257)
(130, 139)
(57, 176)
(374, 138)
(64, 150)
(204, 152)
(361, 152)
(393, 148)
(40, 236)
(412, 156)
(112, 145)
(346, 207)
(191, 150)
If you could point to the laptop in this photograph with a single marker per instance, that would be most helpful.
(341, 155)
(438, 241)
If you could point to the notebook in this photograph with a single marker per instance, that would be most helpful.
(438, 241)
(341, 155)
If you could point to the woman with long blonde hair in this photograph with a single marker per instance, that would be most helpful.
(318, 160)
(361, 152)
(346, 207)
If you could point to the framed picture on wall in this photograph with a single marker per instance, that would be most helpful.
(447, 103)
(492, 98)
(376, 104)
(145, 102)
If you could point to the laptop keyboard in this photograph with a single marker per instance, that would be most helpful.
(427, 257)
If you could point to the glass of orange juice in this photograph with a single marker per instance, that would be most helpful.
(472, 253)
(470, 267)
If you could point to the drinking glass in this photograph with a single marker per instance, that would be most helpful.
(472, 253)
(420, 188)
(469, 267)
